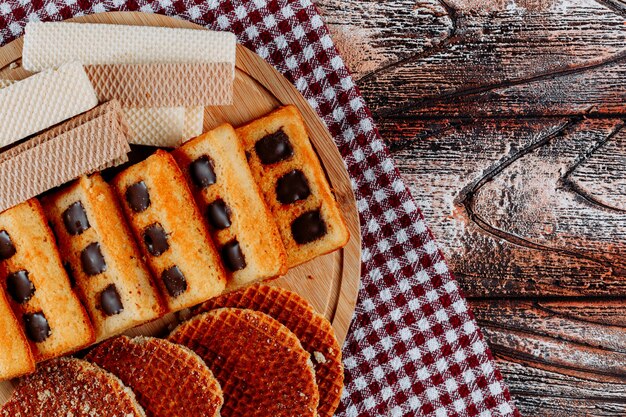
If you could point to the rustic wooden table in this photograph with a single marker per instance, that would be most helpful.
(506, 119)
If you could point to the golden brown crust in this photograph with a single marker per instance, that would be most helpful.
(71, 387)
(16, 357)
(288, 120)
(124, 268)
(36, 253)
(315, 333)
(252, 224)
(173, 208)
(260, 364)
(168, 379)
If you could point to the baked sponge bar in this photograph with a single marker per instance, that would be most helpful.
(171, 233)
(99, 250)
(293, 182)
(238, 219)
(38, 287)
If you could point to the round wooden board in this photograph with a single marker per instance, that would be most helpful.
(329, 282)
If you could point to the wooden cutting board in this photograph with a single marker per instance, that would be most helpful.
(329, 282)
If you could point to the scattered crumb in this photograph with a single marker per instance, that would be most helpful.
(319, 357)
(13, 65)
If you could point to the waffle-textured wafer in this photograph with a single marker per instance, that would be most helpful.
(69, 387)
(158, 126)
(315, 333)
(164, 84)
(294, 185)
(169, 379)
(260, 364)
(37, 286)
(99, 250)
(51, 44)
(84, 144)
(194, 122)
(168, 226)
(42, 100)
(16, 357)
(240, 223)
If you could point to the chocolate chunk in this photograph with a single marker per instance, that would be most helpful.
(75, 219)
(218, 214)
(6, 246)
(308, 227)
(292, 186)
(92, 260)
(138, 197)
(201, 172)
(274, 147)
(232, 256)
(37, 328)
(155, 239)
(20, 287)
(110, 301)
(174, 281)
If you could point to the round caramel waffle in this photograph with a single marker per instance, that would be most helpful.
(71, 387)
(315, 333)
(260, 364)
(168, 379)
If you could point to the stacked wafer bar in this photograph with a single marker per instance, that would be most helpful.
(162, 77)
(169, 232)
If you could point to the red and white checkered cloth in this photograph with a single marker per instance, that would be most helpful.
(414, 347)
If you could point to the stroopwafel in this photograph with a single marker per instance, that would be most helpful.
(169, 379)
(260, 364)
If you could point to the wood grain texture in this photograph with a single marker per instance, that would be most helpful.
(506, 120)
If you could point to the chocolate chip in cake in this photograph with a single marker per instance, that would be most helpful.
(138, 197)
(201, 172)
(218, 214)
(37, 327)
(110, 301)
(292, 186)
(274, 147)
(233, 256)
(6, 245)
(20, 287)
(155, 239)
(75, 219)
(92, 260)
(308, 227)
(174, 281)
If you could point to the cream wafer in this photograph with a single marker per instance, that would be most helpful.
(98, 248)
(240, 223)
(82, 145)
(51, 44)
(313, 330)
(260, 364)
(168, 226)
(169, 379)
(38, 286)
(293, 182)
(164, 84)
(194, 122)
(70, 387)
(158, 126)
(42, 100)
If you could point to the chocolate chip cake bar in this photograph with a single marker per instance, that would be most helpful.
(170, 230)
(16, 357)
(37, 286)
(240, 223)
(97, 247)
(293, 182)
